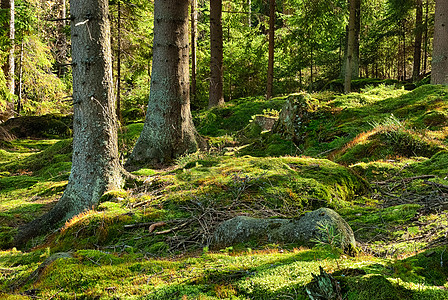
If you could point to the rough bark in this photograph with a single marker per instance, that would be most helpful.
(439, 74)
(418, 39)
(216, 96)
(350, 45)
(270, 74)
(8, 67)
(194, 41)
(355, 56)
(95, 164)
(168, 130)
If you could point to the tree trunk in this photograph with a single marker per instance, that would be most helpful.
(216, 96)
(194, 42)
(118, 109)
(418, 39)
(19, 99)
(270, 83)
(168, 131)
(61, 42)
(355, 55)
(439, 74)
(350, 46)
(425, 59)
(95, 164)
(8, 68)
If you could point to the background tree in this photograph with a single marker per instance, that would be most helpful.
(168, 130)
(439, 65)
(216, 97)
(95, 166)
(351, 41)
(270, 81)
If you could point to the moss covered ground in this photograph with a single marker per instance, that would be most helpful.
(378, 157)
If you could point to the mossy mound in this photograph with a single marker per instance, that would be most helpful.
(233, 116)
(40, 126)
(302, 183)
(50, 162)
(387, 142)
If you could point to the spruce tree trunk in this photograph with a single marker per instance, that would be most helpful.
(194, 41)
(168, 130)
(270, 82)
(439, 74)
(95, 164)
(8, 67)
(216, 96)
(355, 55)
(350, 46)
(418, 39)
(12, 31)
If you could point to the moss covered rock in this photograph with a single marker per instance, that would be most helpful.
(297, 112)
(40, 126)
(320, 226)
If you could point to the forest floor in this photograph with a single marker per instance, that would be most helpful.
(378, 157)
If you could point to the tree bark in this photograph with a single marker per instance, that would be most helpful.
(118, 108)
(355, 55)
(168, 130)
(350, 46)
(439, 74)
(270, 82)
(194, 41)
(9, 68)
(216, 96)
(418, 39)
(95, 164)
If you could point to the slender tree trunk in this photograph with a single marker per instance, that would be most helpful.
(426, 38)
(357, 31)
(19, 100)
(194, 41)
(350, 46)
(61, 43)
(168, 130)
(418, 39)
(404, 52)
(118, 110)
(95, 164)
(249, 12)
(311, 69)
(270, 83)
(439, 74)
(10, 67)
(216, 96)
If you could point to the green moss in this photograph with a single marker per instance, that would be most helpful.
(234, 116)
(374, 287)
(44, 161)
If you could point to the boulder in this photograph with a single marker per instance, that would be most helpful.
(323, 225)
(297, 112)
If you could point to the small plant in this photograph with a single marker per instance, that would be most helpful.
(328, 236)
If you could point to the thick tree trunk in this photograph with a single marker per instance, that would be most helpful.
(194, 41)
(216, 96)
(168, 131)
(270, 83)
(95, 164)
(418, 39)
(439, 74)
(350, 46)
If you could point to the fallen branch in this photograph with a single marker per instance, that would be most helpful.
(439, 185)
(404, 179)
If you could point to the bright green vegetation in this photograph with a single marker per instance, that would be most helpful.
(378, 157)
